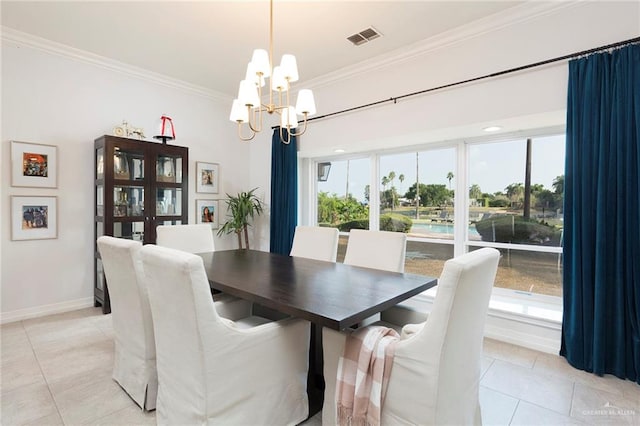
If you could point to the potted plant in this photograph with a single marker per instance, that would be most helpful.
(243, 208)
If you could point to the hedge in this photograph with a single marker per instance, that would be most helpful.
(388, 222)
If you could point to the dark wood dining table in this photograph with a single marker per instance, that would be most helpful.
(327, 294)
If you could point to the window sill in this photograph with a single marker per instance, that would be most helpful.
(516, 305)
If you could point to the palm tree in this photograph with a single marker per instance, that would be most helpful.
(475, 192)
(385, 182)
(558, 184)
(401, 179)
(514, 192)
(449, 177)
(392, 176)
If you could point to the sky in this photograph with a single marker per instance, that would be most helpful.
(493, 166)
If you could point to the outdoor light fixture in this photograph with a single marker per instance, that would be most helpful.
(323, 171)
(248, 107)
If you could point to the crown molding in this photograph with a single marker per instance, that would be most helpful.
(23, 39)
(510, 17)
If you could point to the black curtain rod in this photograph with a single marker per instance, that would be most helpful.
(483, 77)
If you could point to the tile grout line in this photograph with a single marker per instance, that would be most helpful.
(514, 411)
(44, 377)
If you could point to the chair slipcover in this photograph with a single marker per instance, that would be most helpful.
(314, 242)
(436, 369)
(135, 351)
(189, 238)
(376, 249)
(209, 370)
(192, 239)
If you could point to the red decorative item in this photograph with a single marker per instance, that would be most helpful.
(167, 131)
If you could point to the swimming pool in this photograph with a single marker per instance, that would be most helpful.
(440, 228)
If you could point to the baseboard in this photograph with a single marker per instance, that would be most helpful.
(528, 335)
(40, 311)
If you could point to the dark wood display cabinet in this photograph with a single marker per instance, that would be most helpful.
(138, 186)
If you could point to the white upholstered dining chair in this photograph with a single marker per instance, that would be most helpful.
(196, 238)
(376, 249)
(212, 370)
(135, 352)
(436, 368)
(190, 238)
(383, 250)
(315, 242)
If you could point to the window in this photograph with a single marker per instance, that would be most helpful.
(343, 198)
(523, 220)
(428, 211)
(507, 205)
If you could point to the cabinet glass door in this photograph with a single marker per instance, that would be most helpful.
(169, 169)
(128, 165)
(128, 201)
(169, 202)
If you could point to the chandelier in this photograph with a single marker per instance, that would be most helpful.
(248, 107)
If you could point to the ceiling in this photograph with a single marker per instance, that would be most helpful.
(209, 43)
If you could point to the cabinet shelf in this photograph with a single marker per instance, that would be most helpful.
(138, 186)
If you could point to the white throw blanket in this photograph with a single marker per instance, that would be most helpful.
(363, 374)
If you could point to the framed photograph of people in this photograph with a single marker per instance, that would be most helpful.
(34, 165)
(207, 177)
(34, 218)
(207, 212)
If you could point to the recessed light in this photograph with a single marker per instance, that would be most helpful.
(338, 151)
(492, 128)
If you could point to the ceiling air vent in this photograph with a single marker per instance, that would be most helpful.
(364, 36)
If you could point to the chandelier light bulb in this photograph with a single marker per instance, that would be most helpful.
(260, 60)
(277, 80)
(252, 75)
(289, 67)
(289, 118)
(239, 112)
(248, 94)
(305, 102)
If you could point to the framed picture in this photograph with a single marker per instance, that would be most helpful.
(207, 177)
(34, 218)
(34, 165)
(207, 212)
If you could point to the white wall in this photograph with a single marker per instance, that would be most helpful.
(531, 98)
(58, 100)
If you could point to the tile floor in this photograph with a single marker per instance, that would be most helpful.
(57, 370)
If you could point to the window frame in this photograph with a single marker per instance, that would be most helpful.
(460, 241)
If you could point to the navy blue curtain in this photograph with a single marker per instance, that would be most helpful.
(601, 282)
(284, 193)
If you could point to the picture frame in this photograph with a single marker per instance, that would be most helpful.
(207, 212)
(34, 218)
(207, 177)
(34, 165)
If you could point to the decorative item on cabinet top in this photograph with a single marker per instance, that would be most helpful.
(125, 131)
(34, 165)
(166, 131)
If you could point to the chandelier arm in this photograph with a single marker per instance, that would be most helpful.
(240, 133)
(286, 141)
(304, 129)
(252, 120)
